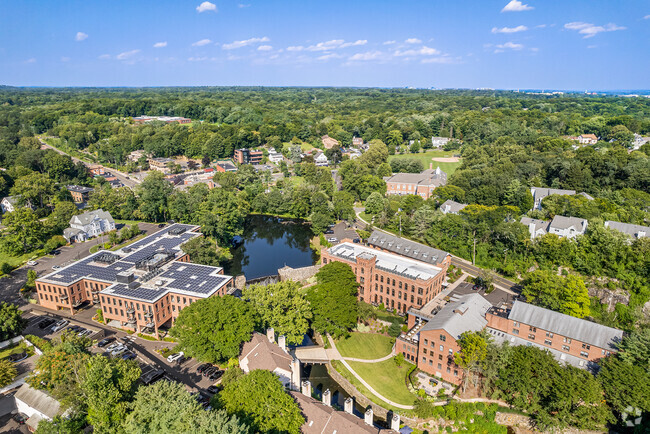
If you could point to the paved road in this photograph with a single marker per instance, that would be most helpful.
(123, 177)
(461, 263)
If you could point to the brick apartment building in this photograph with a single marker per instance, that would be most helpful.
(421, 184)
(143, 286)
(79, 193)
(398, 282)
(432, 339)
(248, 156)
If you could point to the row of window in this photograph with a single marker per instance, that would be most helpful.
(430, 361)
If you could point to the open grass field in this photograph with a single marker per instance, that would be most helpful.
(426, 158)
(387, 379)
(367, 346)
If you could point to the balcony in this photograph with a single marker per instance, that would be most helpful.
(150, 325)
(130, 311)
(148, 315)
(63, 297)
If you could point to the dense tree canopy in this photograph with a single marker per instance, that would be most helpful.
(11, 321)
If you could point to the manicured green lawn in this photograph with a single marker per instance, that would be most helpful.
(426, 159)
(387, 379)
(365, 346)
(361, 388)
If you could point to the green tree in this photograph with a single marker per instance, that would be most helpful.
(60, 217)
(621, 135)
(213, 329)
(35, 188)
(567, 295)
(375, 203)
(394, 138)
(635, 349)
(343, 203)
(153, 193)
(625, 385)
(24, 231)
(7, 372)
(206, 252)
(334, 299)
(69, 424)
(473, 352)
(167, 407)
(108, 386)
(12, 322)
(259, 399)
(281, 306)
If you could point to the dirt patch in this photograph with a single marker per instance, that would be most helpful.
(446, 159)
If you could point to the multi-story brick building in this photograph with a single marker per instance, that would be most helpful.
(432, 339)
(248, 156)
(421, 184)
(79, 193)
(143, 286)
(396, 281)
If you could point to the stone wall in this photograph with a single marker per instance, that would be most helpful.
(298, 274)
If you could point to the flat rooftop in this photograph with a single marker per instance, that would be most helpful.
(386, 261)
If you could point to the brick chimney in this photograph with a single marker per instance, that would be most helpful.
(430, 166)
(306, 388)
(327, 398)
(270, 333)
(349, 405)
(367, 417)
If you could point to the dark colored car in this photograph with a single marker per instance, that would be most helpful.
(356, 240)
(202, 368)
(151, 376)
(213, 389)
(129, 355)
(211, 370)
(216, 375)
(182, 360)
(162, 225)
(329, 231)
(72, 328)
(17, 357)
(476, 287)
(20, 418)
(105, 342)
(46, 323)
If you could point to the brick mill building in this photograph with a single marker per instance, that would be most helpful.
(398, 281)
(142, 287)
(421, 184)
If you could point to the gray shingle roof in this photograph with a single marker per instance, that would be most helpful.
(565, 325)
(89, 216)
(628, 228)
(452, 207)
(38, 400)
(428, 177)
(262, 354)
(562, 222)
(466, 314)
(407, 248)
(539, 224)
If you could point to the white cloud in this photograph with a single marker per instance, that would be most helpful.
(264, 48)
(413, 41)
(65, 59)
(334, 44)
(329, 56)
(242, 5)
(423, 51)
(197, 59)
(160, 44)
(295, 48)
(31, 60)
(127, 55)
(201, 43)
(369, 55)
(590, 30)
(80, 36)
(389, 42)
(509, 29)
(244, 43)
(104, 57)
(516, 6)
(592, 46)
(508, 46)
(647, 17)
(206, 7)
(442, 60)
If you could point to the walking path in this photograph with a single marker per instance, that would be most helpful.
(386, 357)
(335, 353)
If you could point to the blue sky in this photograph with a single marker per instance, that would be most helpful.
(546, 44)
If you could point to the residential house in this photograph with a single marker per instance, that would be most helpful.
(261, 352)
(248, 156)
(321, 160)
(563, 227)
(422, 184)
(639, 141)
(89, 224)
(451, 207)
(439, 142)
(329, 142)
(80, 194)
(587, 139)
(357, 141)
(10, 203)
(635, 231)
(539, 193)
(136, 155)
(36, 404)
(275, 157)
(96, 169)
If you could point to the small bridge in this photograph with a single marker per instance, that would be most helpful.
(314, 354)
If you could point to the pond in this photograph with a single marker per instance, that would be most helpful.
(269, 243)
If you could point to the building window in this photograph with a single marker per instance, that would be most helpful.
(424, 359)
(566, 348)
(567, 340)
(531, 336)
(362, 270)
(448, 370)
(424, 351)
(584, 354)
(532, 329)
(439, 365)
(442, 348)
(455, 372)
(443, 338)
(426, 342)
(586, 346)
(400, 285)
(515, 331)
(549, 335)
(548, 342)
(516, 324)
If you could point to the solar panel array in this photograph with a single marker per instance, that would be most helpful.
(201, 279)
(141, 292)
(160, 244)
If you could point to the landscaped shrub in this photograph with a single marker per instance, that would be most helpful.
(394, 330)
(5, 268)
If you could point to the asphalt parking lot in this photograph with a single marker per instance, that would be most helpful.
(341, 231)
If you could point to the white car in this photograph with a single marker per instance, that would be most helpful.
(119, 350)
(31, 263)
(56, 267)
(60, 325)
(113, 346)
(173, 357)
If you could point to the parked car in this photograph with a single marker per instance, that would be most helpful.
(85, 332)
(17, 357)
(56, 267)
(332, 239)
(46, 323)
(152, 376)
(72, 328)
(129, 355)
(162, 225)
(60, 325)
(112, 346)
(173, 357)
(216, 375)
(356, 240)
(31, 263)
(209, 371)
(202, 368)
(182, 360)
(119, 351)
(433, 381)
(105, 342)
(20, 418)
(476, 287)
(213, 389)
(329, 231)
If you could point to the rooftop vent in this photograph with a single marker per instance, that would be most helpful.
(106, 258)
(177, 230)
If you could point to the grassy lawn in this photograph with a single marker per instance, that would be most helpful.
(426, 157)
(387, 379)
(361, 388)
(127, 222)
(16, 261)
(367, 346)
(15, 349)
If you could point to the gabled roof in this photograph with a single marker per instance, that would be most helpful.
(407, 248)
(38, 400)
(89, 216)
(428, 177)
(263, 354)
(562, 222)
(537, 224)
(454, 207)
(628, 228)
(565, 325)
(465, 315)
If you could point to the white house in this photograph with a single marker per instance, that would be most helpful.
(275, 157)
(10, 203)
(564, 227)
(587, 139)
(639, 141)
(321, 160)
(89, 224)
(452, 207)
(36, 405)
(261, 352)
(439, 142)
(635, 231)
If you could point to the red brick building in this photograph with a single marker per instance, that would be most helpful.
(421, 184)
(248, 156)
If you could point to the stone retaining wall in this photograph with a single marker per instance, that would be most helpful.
(298, 274)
